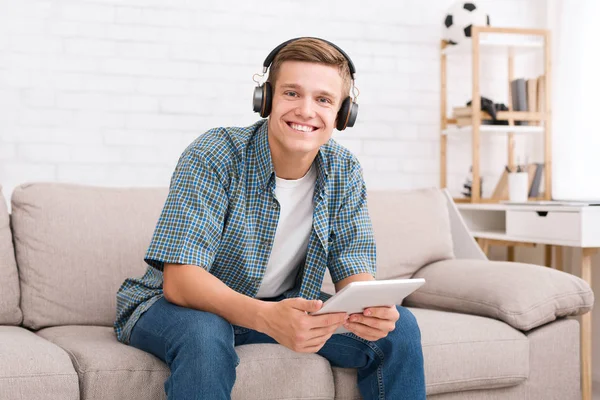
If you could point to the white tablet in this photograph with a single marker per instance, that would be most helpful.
(357, 296)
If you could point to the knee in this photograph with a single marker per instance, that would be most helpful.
(407, 328)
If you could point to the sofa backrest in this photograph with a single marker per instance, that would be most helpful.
(10, 313)
(412, 229)
(75, 245)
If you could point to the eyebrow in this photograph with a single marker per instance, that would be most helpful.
(295, 86)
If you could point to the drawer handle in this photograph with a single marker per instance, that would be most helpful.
(542, 213)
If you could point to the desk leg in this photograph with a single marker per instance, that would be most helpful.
(586, 329)
(485, 245)
(548, 256)
(510, 253)
(558, 256)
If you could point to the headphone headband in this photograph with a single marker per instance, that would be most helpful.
(276, 50)
(263, 97)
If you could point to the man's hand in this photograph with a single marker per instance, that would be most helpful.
(374, 323)
(289, 323)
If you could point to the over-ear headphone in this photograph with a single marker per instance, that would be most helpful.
(263, 94)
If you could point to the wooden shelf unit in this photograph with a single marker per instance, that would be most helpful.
(510, 47)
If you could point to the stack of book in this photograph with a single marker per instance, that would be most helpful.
(528, 95)
(464, 115)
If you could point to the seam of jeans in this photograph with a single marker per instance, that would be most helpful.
(238, 360)
(379, 354)
(369, 344)
(380, 381)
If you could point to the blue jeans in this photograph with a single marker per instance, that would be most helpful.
(199, 348)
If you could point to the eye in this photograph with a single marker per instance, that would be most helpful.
(290, 93)
(325, 100)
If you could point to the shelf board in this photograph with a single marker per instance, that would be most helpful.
(487, 203)
(502, 116)
(496, 47)
(466, 200)
(495, 129)
(497, 235)
(503, 236)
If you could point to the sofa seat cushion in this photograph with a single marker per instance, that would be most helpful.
(34, 368)
(109, 369)
(461, 352)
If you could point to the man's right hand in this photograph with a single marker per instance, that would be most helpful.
(288, 322)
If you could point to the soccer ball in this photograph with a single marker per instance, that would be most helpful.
(460, 17)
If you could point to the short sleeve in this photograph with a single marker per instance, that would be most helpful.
(352, 249)
(191, 222)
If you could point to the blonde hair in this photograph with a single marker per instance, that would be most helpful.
(312, 50)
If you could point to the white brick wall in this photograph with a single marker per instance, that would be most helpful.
(110, 92)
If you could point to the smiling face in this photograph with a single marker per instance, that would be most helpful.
(306, 100)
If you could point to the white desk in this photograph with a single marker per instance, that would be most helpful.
(553, 225)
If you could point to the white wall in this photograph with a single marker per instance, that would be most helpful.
(110, 92)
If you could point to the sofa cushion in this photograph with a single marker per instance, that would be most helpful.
(111, 370)
(522, 295)
(461, 352)
(10, 313)
(412, 229)
(75, 245)
(34, 368)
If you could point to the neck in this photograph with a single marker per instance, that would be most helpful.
(291, 166)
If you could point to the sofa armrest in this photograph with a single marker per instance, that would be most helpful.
(524, 296)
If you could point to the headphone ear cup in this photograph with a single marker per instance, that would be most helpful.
(257, 99)
(261, 101)
(347, 114)
(268, 98)
(353, 115)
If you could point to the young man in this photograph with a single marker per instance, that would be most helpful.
(253, 218)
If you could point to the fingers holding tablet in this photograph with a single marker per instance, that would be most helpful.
(382, 320)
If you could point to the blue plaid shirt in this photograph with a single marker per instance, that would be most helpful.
(221, 214)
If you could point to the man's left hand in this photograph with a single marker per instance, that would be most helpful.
(374, 323)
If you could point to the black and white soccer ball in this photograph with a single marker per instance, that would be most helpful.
(460, 17)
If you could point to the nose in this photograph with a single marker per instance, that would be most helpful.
(305, 108)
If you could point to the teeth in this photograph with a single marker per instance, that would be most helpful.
(302, 128)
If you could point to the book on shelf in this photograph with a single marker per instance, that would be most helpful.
(518, 91)
(528, 95)
(534, 186)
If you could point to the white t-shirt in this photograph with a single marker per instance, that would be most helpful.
(290, 244)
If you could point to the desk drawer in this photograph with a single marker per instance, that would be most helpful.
(544, 224)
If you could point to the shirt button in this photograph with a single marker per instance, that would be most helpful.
(274, 205)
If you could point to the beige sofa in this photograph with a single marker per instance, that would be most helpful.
(490, 330)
